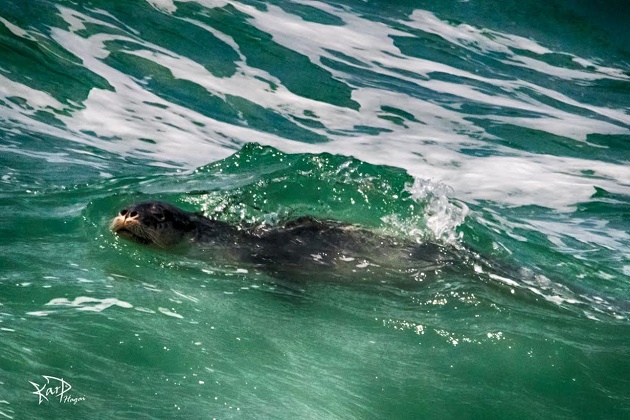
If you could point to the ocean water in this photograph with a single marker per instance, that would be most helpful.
(497, 129)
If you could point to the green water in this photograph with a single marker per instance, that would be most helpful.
(499, 130)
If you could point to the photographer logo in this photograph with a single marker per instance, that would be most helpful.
(55, 388)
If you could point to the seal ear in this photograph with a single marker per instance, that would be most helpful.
(200, 213)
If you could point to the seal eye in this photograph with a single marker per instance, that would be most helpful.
(160, 217)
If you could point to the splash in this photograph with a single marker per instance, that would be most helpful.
(443, 216)
(439, 217)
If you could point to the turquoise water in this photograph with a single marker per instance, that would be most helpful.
(499, 130)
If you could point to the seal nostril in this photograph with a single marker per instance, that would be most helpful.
(123, 212)
(133, 214)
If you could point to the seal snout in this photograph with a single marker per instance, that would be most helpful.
(126, 222)
(129, 213)
(126, 217)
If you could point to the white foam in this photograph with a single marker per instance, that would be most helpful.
(35, 99)
(190, 298)
(84, 303)
(167, 6)
(505, 280)
(170, 313)
(16, 30)
(588, 233)
(469, 37)
(39, 313)
(431, 148)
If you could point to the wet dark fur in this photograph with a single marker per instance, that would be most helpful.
(305, 248)
(302, 243)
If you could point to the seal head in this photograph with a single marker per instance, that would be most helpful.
(154, 223)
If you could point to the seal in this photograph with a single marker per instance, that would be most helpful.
(163, 225)
(301, 243)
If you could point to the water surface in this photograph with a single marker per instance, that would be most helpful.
(499, 129)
